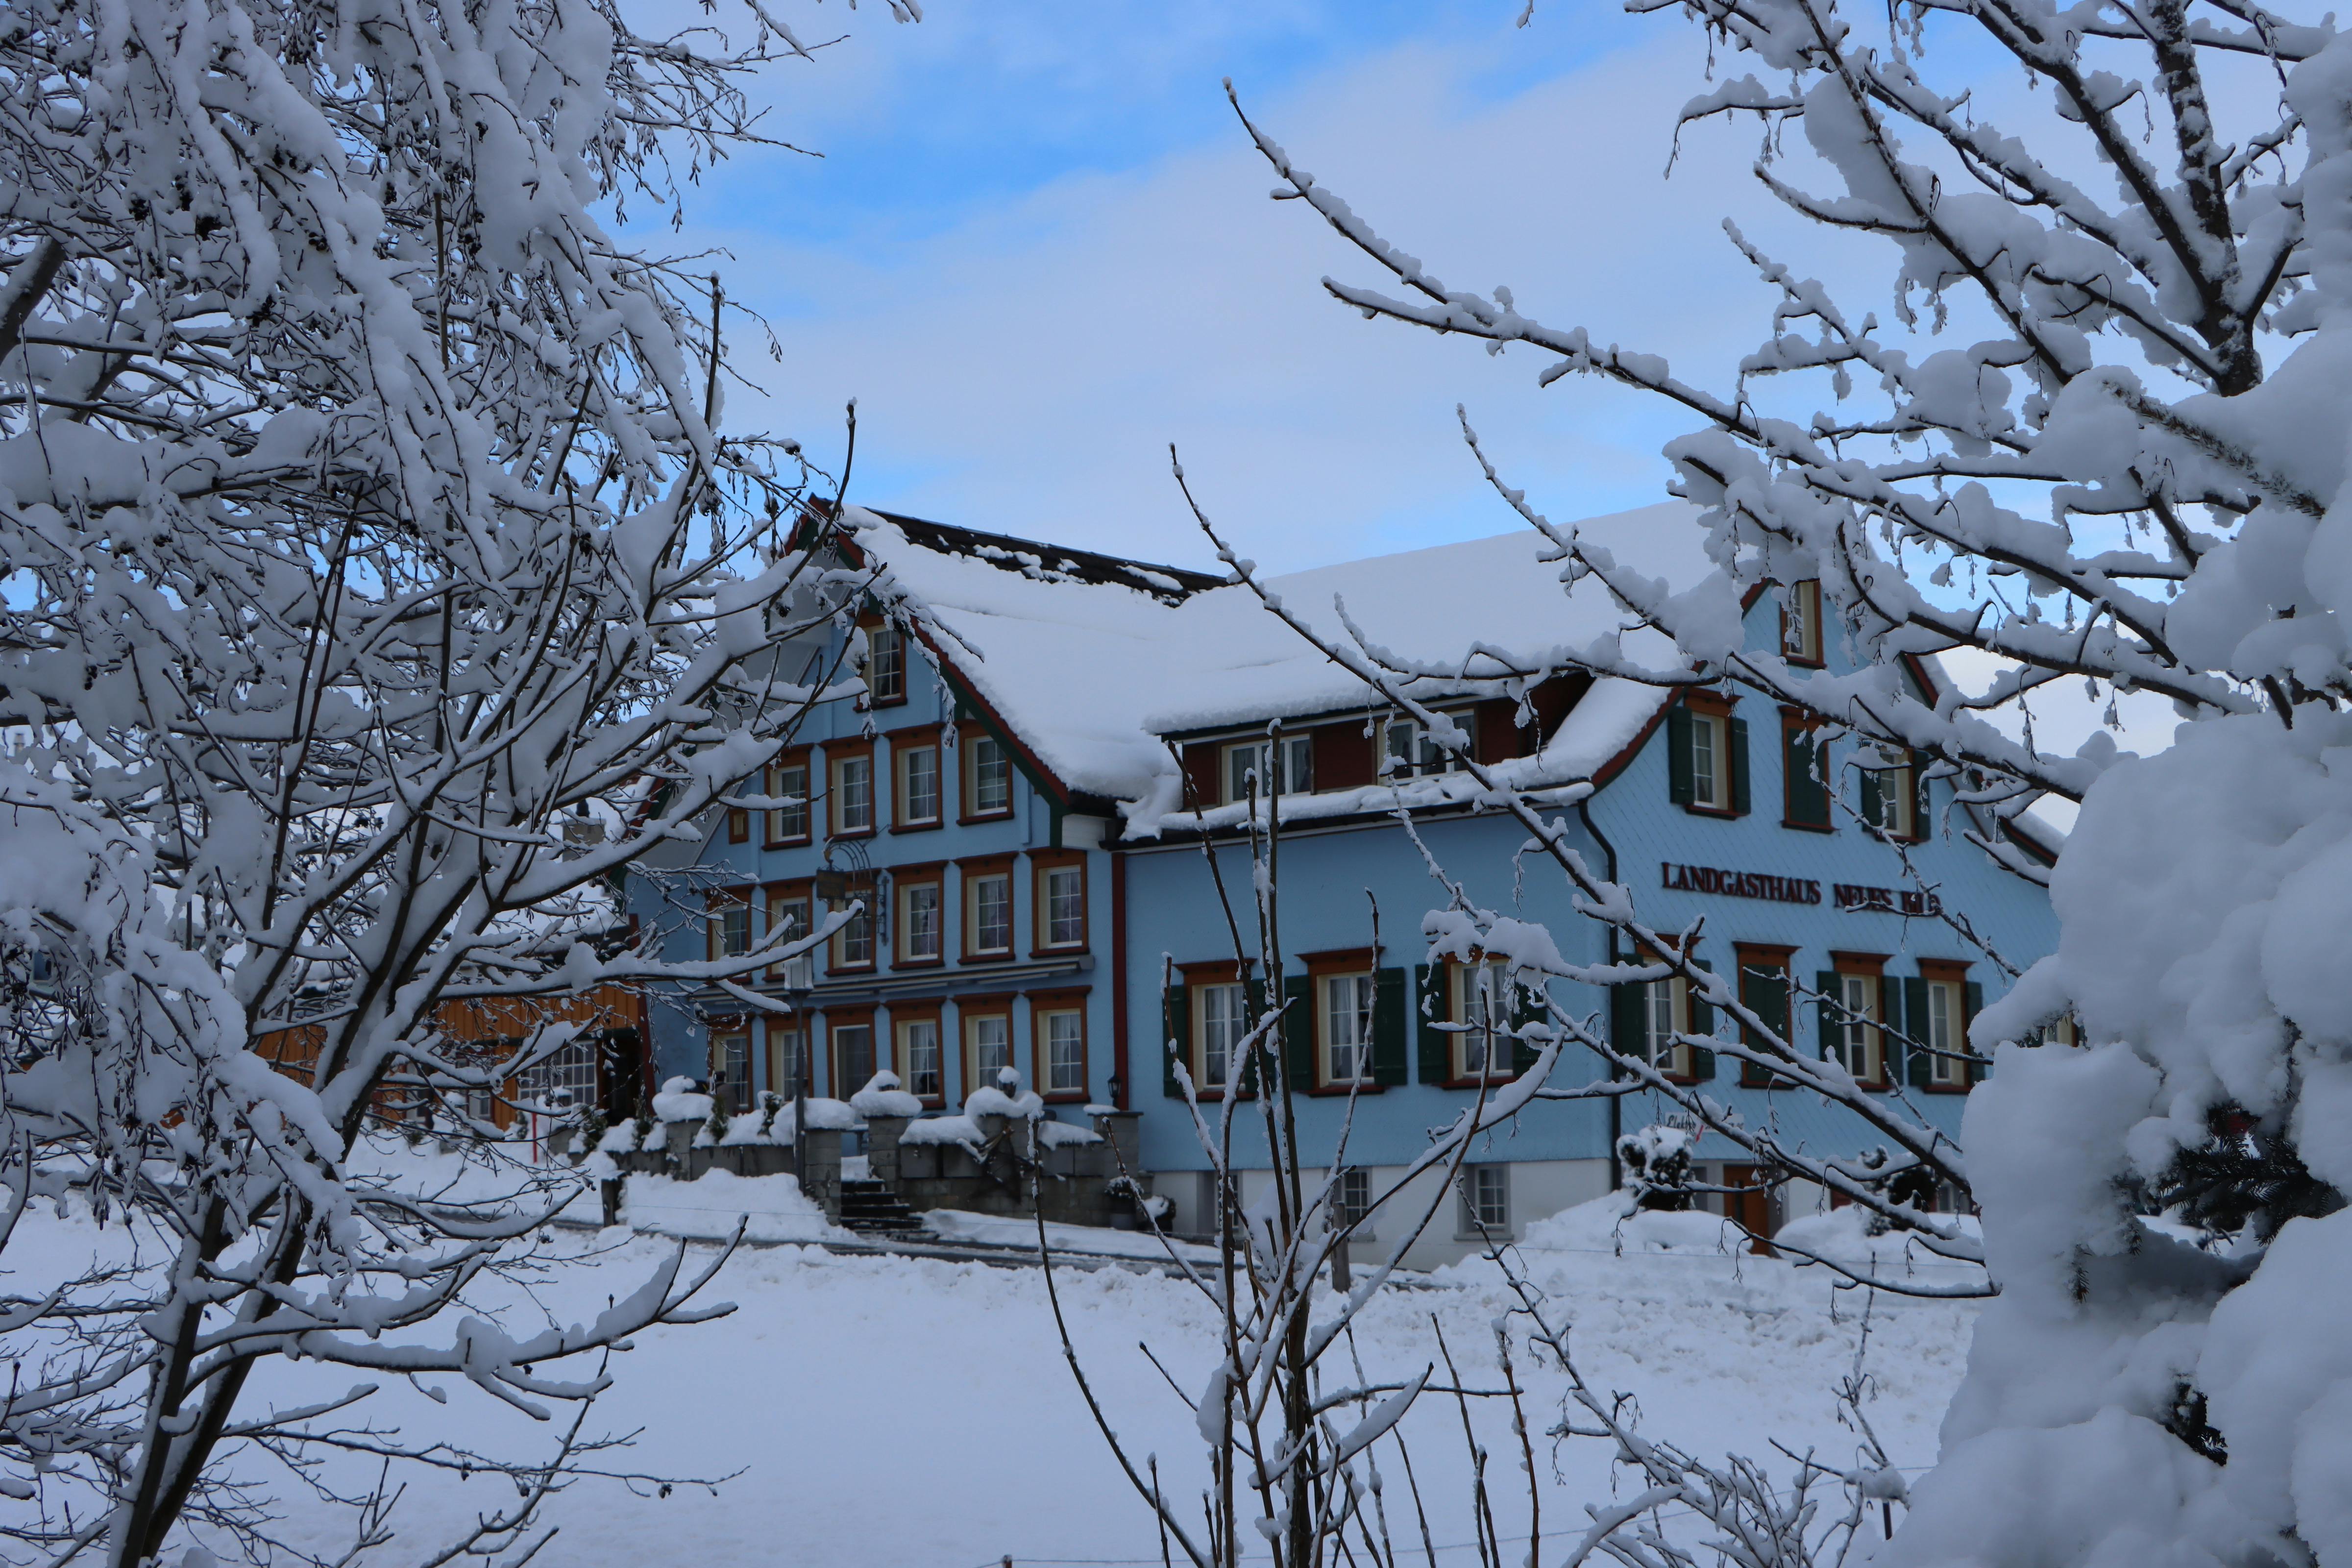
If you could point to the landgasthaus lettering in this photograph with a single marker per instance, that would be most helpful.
(1739, 884)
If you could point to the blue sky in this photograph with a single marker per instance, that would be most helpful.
(1038, 250)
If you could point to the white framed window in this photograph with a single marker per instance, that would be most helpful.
(1061, 1040)
(1345, 1013)
(1710, 757)
(789, 916)
(1287, 768)
(1890, 795)
(1801, 604)
(730, 928)
(564, 1081)
(2062, 1030)
(1407, 752)
(790, 781)
(1486, 1200)
(1666, 1014)
(991, 778)
(1063, 905)
(886, 664)
(853, 795)
(1945, 1032)
(1481, 1004)
(853, 945)
(919, 1048)
(1352, 1202)
(988, 913)
(787, 1046)
(919, 785)
(918, 922)
(989, 1038)
(852, 1052)
(730, 1067)
(1858, 1042)
(1220, 1024)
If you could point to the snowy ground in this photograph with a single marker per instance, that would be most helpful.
(898, 1411)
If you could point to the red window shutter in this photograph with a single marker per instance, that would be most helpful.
(1201, 785)
(1497, 730)
(1343, 755)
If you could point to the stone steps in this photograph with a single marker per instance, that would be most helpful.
(871, 1209)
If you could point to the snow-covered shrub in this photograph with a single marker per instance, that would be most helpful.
(1657, 1165)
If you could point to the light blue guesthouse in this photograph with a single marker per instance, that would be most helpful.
(1041, 798)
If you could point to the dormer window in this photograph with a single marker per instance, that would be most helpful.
(1409, 753)
(1286, 767)
(1801, 621)
(988, 776)
(1706, 756)
(886, 665)
(1890, 795)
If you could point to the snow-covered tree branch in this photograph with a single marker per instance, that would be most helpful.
(365, 520)
(2098, 438)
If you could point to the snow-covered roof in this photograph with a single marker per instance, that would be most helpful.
(1090, 671)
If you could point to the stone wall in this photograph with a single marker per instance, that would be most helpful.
(1075, 1184)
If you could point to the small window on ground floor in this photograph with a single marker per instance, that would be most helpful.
(1354, 1201)
(1486, 1200)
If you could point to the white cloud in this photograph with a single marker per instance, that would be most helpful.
(1026, 369)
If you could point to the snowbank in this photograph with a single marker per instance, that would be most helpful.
(1612, 1225)
(772, 1207)
(999, 1230)
(813, 1385)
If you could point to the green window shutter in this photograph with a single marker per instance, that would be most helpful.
(1766, 994)
(1915, 1018)
(1245, 1072)
(1807, 763)
(1701, 1012)
(1973, 997)
(1737, 729)
(1918, 797)
(1437, 1046)
(1702, 1063)
(1298, 1031)
(1627, 1026)
(1678, 755)
(1524, 1012)
(1873, 810)
(1176, 1011)
(1827, 1013)
(1388, 1026)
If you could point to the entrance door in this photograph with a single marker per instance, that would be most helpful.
(1750, 1205)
